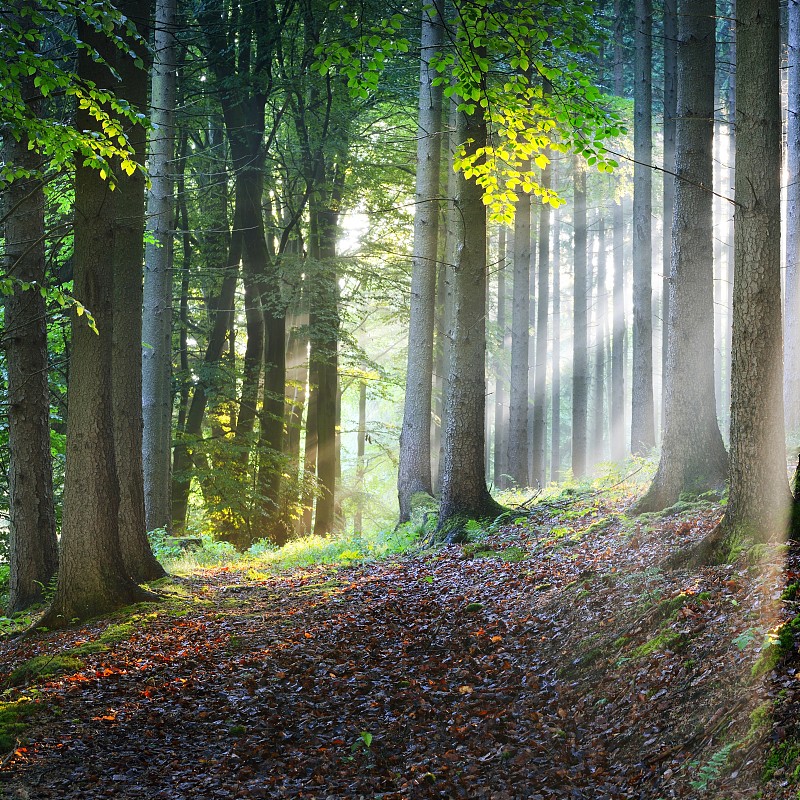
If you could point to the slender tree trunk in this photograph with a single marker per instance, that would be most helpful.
(324, 354)
(500, 408)
(759, 491)
(414, 475)
(249, 191)
(464, 492)
(642, 410)
(92, 577)
(555, 446)
(157, 319)
(792, 345)
(33, 549)
(520, 327)
(693, 457)
(188, 439)
(601, 310)
(540, 387)
(361, 449)
(580, 365)
(296, 371)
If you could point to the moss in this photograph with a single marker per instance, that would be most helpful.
(471, 608)
(777, 645)
(786, 756)
(661, 641)
(114, 634)
(760, 717)
(12, 723)
(510, 554)
(40, 667)
(89, 648)
(790, 592)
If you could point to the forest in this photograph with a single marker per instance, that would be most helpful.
(400, 400)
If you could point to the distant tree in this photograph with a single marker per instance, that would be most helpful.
(520, 343)
(543, 299)
(580, 357)
(693, 457)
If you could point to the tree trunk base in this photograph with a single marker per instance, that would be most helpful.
(62, 616)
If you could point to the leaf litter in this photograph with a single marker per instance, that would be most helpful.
(580, 670)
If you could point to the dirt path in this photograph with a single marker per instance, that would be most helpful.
(528, 669)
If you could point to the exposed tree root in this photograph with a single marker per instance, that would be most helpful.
(700, 554)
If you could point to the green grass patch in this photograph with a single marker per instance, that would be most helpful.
(42, 667)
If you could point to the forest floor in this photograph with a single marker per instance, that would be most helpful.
(553, 658)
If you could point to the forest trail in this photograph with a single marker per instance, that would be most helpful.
(550, 660)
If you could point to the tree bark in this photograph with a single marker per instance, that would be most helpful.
(759, 491)
(157, 294)
(642, 411)
(414, 474)
(693, 457)
(33, 548)
(464, 493)
(792, 345)
(580, 365)
(92, 577)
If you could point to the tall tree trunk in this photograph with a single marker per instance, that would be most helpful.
(33, 549)
(540, 387)
(693, 457)
(642, 411)
(520, 343)
(414, 475)
(759, 491)
(580, 365)
(324, 355)
(92, 576)
(792, 345)
(157, 295)
(500, 407)
(601, 311)
(361, 449)
(464, 492)
(249, 190)
(670, 105)
(555, 425)
(127, 263)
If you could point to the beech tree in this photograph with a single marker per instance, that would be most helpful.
(580, 356)
(157, 297)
